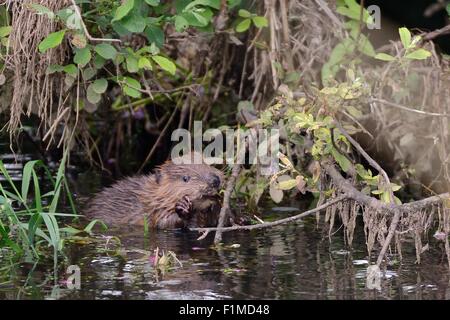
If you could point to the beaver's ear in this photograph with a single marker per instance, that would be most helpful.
(157, 175)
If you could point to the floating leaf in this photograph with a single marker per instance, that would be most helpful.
(165, 64)
(52, 40)
(105, 50)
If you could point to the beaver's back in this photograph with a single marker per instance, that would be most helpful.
(119, 203)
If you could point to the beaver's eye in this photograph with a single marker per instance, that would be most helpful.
(186, 178)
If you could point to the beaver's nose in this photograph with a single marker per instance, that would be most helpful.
(214, 181)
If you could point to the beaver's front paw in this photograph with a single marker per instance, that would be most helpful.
(184, 208)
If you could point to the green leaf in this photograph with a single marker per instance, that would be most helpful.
(132, 82)
(123, 10)
(165, 64)
(260, 22)
(134, 23)
(405, 37)
(155, 35)
(71, 69)
(100, 85)
(5, 31)
(384, 57)
(181, 23)
(105, 50)
(92, 96)
(88, 73)
(52, 40)
(74, 21)
(40, 9)
(26, 177)
(82, 56)
(243, 25)
(343, 162)
(54, 68)
(203, 21)
(209, 3)
(385, 197)
(418, 54)
(131, 92)
(144, 63)
(132, 64)
(152, 3)
(244, 13)
(287, 184)
(99, 61)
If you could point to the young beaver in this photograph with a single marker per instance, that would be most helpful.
(175, 196)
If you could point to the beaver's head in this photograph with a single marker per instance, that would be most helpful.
(193, 180)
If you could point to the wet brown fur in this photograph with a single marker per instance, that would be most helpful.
(156, 195)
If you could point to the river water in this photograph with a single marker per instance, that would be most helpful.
(297, 261)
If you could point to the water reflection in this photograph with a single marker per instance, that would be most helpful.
(296, 262)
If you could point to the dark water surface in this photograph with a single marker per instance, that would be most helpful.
(292, 262)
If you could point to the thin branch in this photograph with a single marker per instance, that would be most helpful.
(226, 201)
(399, 106)
(369, 159)
(162, 134)
(437, 33)
(275, 223)
(86, 32)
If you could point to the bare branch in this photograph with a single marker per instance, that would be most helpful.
(86, 32)
(275, 223)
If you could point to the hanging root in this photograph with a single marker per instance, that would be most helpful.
(33, 88)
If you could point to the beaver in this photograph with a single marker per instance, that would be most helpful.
(173, 196)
